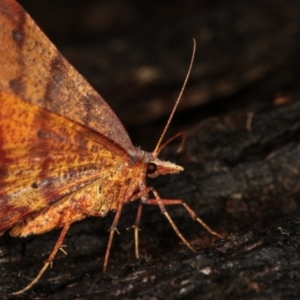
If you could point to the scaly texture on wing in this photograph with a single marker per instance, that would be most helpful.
(33, 69)
(44, 157)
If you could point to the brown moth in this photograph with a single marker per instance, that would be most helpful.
(64, 154)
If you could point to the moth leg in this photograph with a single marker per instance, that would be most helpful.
(48, 261)
(112, 230)
(159, 202)
(191, 212)
(143, 194)
(136, 227)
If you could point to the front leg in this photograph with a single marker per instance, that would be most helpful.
(192, 213)
(144, 195)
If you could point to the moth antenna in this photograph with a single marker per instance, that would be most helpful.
(182, 134)
(155, 152)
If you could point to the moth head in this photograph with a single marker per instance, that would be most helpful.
(158, 167)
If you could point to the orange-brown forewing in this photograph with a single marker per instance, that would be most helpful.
(44, 157)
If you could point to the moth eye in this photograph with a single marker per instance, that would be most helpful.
(151, 168)
(34, 185)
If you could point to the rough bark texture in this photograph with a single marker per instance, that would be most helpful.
(241, 158)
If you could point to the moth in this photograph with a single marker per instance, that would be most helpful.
(64, 154)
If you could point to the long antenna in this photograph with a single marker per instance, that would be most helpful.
(178, 99)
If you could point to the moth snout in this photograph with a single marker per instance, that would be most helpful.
(159, 167)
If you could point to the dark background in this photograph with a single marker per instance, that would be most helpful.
(241, 113)
(136, 54)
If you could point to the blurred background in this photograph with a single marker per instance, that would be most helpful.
(136, 55)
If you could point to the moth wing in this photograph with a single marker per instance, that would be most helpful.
(44, 157)
(34, 70)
